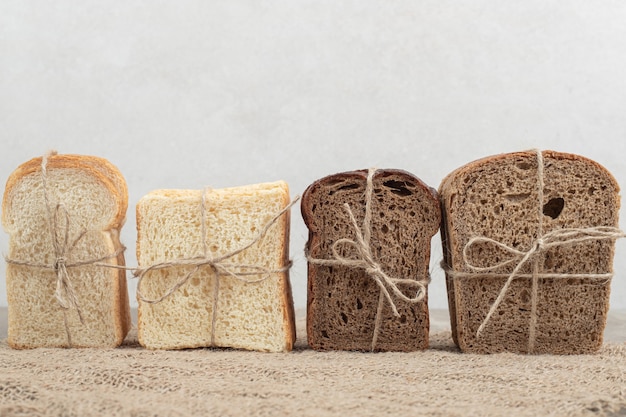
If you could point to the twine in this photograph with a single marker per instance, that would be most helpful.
(365, 260)
(59, 228)
(217, 264)
(538, 248)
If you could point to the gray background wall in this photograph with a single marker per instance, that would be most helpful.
(185, 94)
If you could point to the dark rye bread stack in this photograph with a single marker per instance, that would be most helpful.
(342, 300)
(498, 198)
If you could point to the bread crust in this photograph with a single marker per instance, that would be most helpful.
(288, 308)
(453, 238)
(476, 164)
(111, 178)
(316, 232)
(100, 168)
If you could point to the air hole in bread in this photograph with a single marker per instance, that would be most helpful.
(523, 165)
(359, 304)
(517, 198)
(344, 318)
(398, 187)
(344, 188)
(325, 334)
(554, 207)
(525, 296)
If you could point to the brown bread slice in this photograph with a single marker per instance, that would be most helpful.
(343, 301)
(93, 194)
(497, 197)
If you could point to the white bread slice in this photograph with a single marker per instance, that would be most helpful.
(93, 193)
(253, 316)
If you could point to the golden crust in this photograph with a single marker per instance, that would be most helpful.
(100, 168)
(288, 309)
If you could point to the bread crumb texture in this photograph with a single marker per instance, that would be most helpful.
(254, 316)
(343, 301)
(93, 195)
(497, 197)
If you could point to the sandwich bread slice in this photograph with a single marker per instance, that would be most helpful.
(222, 304)
(63, 215)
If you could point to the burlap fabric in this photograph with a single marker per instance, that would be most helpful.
(131, 381)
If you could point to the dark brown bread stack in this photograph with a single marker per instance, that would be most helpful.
(343, 300)
(498, 198)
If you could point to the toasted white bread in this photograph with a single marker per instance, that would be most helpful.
(89, 197)
(254, 316)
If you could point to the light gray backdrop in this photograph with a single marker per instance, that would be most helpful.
(185, 94)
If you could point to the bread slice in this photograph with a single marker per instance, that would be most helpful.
(498, 198)
(254, 316)
(343, 301)
(93, 195)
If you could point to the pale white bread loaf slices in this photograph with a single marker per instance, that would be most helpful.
(253, 316)
(497, 198)
(93, 194)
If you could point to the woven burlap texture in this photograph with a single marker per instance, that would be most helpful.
(441, 381)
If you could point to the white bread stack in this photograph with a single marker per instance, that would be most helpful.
(87, 196)
(248, 315)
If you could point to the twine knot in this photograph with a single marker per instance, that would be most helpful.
(539, 246)
(60, 263)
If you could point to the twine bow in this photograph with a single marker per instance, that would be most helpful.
(365, 260)
(373, 269)
(555, 238)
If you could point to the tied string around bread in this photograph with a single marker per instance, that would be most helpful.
(365, 260)
(219, 264)
(59, 222)
(538, 248)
